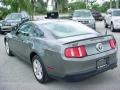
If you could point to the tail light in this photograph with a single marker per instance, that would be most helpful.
(75, 52)
(112, 43)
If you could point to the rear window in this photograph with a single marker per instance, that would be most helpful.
(68, 29)
(82, 13)
(116, 13)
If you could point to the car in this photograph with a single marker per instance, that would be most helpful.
(112, 19)
(62, 49)
(84, 16)
(12, 21)
(97, 15)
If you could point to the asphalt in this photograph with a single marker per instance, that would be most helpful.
(16, 74)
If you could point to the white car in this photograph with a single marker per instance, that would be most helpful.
(85, 17)
(112, 19)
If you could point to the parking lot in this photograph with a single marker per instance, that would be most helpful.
(17, 75)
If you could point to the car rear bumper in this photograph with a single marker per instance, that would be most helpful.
(88, 74)
(98, 18)
(78, 67)
(117, 26)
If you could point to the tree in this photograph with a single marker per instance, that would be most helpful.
(96, 7)
(77, 5)
(18, 5)
(3, 12)
(62, 5)
(40, 7)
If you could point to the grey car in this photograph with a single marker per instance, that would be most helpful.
(12, 21)
(62, 49)
(84, 16)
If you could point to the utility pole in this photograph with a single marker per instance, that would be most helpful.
(117, 3)
(110, 3)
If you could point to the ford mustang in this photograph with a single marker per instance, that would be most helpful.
(62, 49)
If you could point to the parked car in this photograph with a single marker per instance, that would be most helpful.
(97, 15)
(84, 16)
(12, 20)
(62, 49)
(112, 19)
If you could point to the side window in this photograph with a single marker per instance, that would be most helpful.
(22, 29)
(31, 31)
(39, 32)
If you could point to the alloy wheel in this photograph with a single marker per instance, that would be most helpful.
(37, 68)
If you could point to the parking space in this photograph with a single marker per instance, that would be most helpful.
(17, 75)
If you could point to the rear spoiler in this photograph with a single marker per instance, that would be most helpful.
(94, 38)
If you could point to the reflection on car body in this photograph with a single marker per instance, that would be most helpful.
(84, 16)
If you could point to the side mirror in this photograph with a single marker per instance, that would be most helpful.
(70, 15)
(110, 14)
(23, 18)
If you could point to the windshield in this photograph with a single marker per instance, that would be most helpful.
(68, 29)
(116, 13)
(13, 17)
(82, 13)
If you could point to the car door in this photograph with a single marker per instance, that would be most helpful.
(27, 41)
(16, 41)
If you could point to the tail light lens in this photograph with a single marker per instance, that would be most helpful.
(75, 52)
(112, 43)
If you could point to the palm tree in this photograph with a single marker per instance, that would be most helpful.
(18, 5)
(110, 3)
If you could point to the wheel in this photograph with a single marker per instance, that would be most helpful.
(39, 70)
(9, 52)
(95, 26)
(106, 25)
(112, 27)
(1, 32)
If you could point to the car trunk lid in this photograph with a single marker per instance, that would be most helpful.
(93, 44)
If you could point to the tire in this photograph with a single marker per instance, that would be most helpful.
(106, 25)
(39, 70)
(112, 27)
(1, 32)
(9, 52)
(94, 26)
